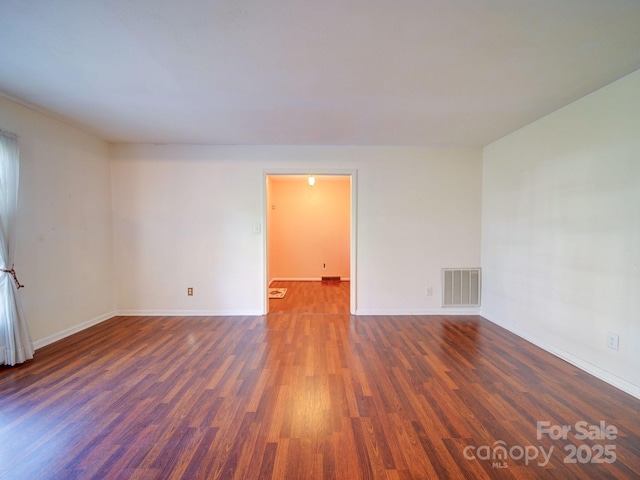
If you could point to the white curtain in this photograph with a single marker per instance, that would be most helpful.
(15, 342)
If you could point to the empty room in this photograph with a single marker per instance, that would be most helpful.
(319, 240)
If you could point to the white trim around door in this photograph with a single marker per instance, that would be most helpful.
(353, 175)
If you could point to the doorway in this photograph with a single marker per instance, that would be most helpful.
(309, 241)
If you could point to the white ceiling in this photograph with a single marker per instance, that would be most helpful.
(331, 72)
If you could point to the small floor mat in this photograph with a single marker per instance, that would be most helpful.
(277, 292)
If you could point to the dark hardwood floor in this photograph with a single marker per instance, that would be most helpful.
(295, 396)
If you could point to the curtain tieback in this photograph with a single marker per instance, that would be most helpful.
(13, 274)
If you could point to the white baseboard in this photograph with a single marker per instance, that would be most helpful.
(71, 330)
(428, 311)
(305, 279)
(189, 313)
(597, 372)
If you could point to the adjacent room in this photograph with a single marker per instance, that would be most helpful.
(309, 229)
(297, 240)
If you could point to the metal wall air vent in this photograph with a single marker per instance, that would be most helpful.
(461, 287)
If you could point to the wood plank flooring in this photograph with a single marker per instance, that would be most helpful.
(294, 396)
(311, 297)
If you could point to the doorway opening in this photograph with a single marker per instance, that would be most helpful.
(310, 243)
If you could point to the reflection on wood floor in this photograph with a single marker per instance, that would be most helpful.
(296, 396)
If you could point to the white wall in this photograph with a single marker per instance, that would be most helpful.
(184, 217)
(64, 237)
(561, 232)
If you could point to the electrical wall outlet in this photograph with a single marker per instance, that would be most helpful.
(190, 291)
(613, 341)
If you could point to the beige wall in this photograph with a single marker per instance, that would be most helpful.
(308, 227)
(185, 216)
(65, 245)
(561, 232)
(128, 228)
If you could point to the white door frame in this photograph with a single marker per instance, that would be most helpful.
(353, 175)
